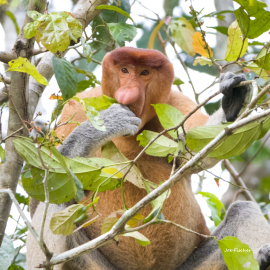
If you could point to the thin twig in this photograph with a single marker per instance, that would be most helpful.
(26, 221)
(227, 164)
(254, 156)
(11, 134)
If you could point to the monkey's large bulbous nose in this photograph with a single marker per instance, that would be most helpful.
(127, 95)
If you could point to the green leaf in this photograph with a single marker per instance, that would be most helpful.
(30, 30)
(234, 145)
(34, 15)
(101, 34)
(104, 181)
(114, 8)
(169, 6)
(237, 45)
(169, 117)
(12, 17)
(75, 27)
(21, 198)
(222, 29)
(53, 32)
(100, 103)
(245, 15)
(215, 206)
(23, 65)
(7, 253)
(82, 85)
(157, 203)
(66, 79)
(110, 151)
(139, 238)
(177, 81)
(91, 113)
(61, 186)
(237, 255)
(62, 222)
(255, 43)
(2, 154)
(87, 51)
(203, 61)
(257, 70)
(182, 32)
(15, 267)
(161, 147)
(122, 32)
(263, 59)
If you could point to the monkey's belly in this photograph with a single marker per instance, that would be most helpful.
(170, 245)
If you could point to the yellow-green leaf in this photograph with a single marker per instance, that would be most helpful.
(113, 171)
(237, 44)
(111, 220)
(237, 255)
(62, 222)
(23, 65)
(200, 47)
(182, 32)
(258, 70)
(140, 238)
(136, 220)
(161, 147)
(110, 151)
(154, 34)
(2, 154)
(3, 2)
(201, 60)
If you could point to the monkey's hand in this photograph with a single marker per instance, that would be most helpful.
(234, 97)
(263, 257)
(85, 140)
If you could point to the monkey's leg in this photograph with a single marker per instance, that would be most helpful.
(243, 220)
(93, 260)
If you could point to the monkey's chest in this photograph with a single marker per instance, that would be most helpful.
(170, 245)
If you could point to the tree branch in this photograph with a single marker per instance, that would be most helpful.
(5, 57)
(11, 169)
(85, 12)
(238, 180)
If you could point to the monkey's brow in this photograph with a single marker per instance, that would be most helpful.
(143, 61)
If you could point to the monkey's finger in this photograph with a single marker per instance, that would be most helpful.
(133, 121)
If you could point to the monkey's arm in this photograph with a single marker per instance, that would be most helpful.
(233, 100)
(243, 220)
(231, 104)
(85, 140)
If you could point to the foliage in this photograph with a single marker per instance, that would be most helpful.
(68, 177)
(23, 65)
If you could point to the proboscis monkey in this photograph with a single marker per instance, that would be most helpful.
(137, 78)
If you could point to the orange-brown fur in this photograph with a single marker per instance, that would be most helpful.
(170, 246)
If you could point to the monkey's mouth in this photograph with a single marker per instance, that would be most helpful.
(132, 109)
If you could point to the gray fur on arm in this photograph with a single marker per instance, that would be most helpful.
(85, 140)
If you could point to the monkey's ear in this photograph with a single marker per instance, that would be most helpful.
(234, 97)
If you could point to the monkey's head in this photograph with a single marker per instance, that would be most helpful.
(137, 78)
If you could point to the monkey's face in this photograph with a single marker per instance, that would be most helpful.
(133, 85)
(137, 78)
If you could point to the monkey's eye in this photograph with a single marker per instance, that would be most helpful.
(145, 73)
(124, 70)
